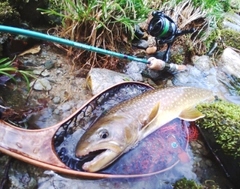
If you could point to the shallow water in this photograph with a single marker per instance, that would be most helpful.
(202, 166)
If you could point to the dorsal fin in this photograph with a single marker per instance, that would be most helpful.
(190, 114)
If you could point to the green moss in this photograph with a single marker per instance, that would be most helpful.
(184, 183)
(224, 37)
(177, 58)
(8, 15)
(222, 118)
(231, 38)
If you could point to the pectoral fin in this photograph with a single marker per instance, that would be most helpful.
(151, 116)
(191, 114)
(154, 112)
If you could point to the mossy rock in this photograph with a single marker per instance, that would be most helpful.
(221, 130)
(28, 10)
(9, 15)
(222, 118)
(184, 183)
(223, 37)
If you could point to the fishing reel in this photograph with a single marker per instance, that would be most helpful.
(164, 29)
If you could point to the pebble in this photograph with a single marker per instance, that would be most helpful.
(56, 100)
(45, 73)
(49, 64)
(29, 63)
(198, 145)
(56, 111)
(208, 163)
(41, 84)
(37, 72)
(151, 50)
(142, 44)
(66, 107)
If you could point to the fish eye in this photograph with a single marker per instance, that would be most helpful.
(103, 134)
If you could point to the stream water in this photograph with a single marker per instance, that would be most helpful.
(202, 167)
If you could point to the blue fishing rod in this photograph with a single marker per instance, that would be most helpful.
(161, 65)
(46, 37)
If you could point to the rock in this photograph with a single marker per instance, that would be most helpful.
(143, 44)
(203, 74)
(37, 72)
(134, 70)
(49, 64)
(45, 73)
(230, 62)
(66, 106)
(202, 63)
(41, 84)
(56, 100)
(9, 15)
(99, 79)
(232, 21)
(208, 163)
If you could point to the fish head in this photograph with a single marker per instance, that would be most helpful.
(107, 139)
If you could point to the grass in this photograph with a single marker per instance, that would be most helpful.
(205, 16)
(8, 69)
(110, 24)
(100, 23)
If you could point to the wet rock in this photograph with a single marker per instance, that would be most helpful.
(45, 73)
(208, 163)
(99, 79)
(232, 21)
(142, 44)
(230, 62)
(56, 111)
(42, 84)
(29, 63)
(194, 77)
(37, 72)
(49, 64)
(66, 107)
(23, 181)
(202, 63)
(134, 70)
(203, 74)
(199, 146)
(56, 100)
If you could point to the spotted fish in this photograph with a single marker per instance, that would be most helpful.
(122, 127)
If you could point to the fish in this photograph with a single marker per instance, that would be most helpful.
(122, 127)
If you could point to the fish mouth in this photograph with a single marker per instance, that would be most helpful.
(96, 160)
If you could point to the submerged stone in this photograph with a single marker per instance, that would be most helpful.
(42, 84)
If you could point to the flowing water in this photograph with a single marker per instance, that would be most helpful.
(202, 166)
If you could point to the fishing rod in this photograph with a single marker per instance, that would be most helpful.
(159, 65)
(46, 37)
